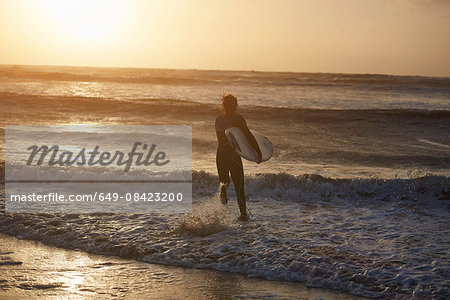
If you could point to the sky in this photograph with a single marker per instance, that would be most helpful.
(403, 37)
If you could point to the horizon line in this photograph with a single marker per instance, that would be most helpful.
(222, 70)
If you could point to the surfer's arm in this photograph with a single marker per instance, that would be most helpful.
(251, 139)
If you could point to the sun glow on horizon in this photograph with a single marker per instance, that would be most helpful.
(86, 20)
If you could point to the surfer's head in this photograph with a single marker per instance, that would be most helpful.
(229, 104)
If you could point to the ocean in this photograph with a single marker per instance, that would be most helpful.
(356, 197)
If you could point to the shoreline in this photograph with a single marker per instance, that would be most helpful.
(32, 269)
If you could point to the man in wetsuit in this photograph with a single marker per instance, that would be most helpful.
(227, 160)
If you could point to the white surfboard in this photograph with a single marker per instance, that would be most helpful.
(244, 149)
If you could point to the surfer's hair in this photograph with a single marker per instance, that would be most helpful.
(229, 104)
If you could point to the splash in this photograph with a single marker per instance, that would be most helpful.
(208, 218)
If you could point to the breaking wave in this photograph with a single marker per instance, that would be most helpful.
(312, 187)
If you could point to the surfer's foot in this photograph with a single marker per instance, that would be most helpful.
(243, 217)
(223, 194)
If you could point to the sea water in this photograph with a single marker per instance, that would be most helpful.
(291, 90)
(356, 197)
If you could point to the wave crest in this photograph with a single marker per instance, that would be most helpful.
(313, 187)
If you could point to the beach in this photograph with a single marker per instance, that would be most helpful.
(30, 269)
(355, 199)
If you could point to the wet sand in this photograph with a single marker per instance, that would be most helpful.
(31, 269)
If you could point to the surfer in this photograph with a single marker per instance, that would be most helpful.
(227, 160)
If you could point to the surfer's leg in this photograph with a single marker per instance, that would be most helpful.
(223, 168)
(223, 192)
(237, 174)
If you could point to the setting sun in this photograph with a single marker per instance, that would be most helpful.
(84, 19)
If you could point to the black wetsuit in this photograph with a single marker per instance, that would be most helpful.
(227, 160)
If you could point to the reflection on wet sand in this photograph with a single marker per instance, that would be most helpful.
(30, 269)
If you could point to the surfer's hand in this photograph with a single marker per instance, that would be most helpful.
(259, 159)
